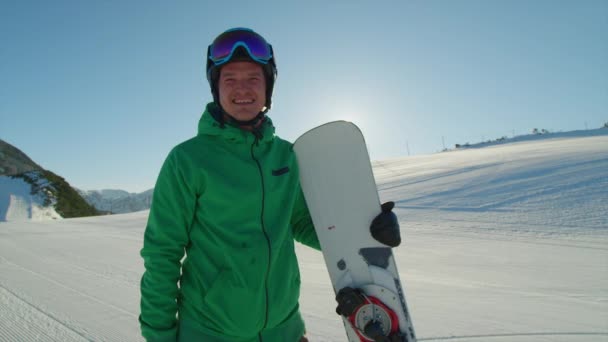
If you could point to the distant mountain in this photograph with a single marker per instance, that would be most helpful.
(27, 191)
(14, 162)
(118, 201)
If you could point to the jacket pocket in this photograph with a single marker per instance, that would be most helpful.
(235, 309)
(280, 171)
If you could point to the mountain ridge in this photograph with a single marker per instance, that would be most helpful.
(28, 191)
(13, 161)
(116, 201)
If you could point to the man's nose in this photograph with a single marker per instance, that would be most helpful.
(241, 84)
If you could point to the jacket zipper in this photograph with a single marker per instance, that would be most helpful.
(255, 143)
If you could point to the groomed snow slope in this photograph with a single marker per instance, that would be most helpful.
(503, 243)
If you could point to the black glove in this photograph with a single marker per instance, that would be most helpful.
(385, 226)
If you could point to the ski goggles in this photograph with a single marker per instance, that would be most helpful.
(223, 47)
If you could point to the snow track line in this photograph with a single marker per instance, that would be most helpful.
(95, 299)
(543, 227)
(104, 276)
(51, 316)
(448, 338)
(73, 256)
(480, 234)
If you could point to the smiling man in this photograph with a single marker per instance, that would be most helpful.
(230, 200)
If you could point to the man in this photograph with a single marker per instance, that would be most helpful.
(230, 200)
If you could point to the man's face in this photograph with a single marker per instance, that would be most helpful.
(242, 88)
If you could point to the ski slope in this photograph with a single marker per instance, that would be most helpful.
(502, 243)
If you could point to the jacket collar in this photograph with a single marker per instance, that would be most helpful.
(207, 125)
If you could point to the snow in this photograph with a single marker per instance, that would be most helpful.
(502, 243)
(18, 204)
(542, 136)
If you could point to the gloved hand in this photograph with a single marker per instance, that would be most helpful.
(385, 226)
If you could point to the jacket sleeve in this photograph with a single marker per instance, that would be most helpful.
(301, 223)
(165, 239)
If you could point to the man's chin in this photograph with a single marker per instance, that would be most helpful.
(243, 115)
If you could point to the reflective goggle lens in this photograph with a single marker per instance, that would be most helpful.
(224, 45)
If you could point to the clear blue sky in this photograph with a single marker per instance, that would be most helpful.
(100, 91)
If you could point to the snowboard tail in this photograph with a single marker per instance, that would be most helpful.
(340, 191)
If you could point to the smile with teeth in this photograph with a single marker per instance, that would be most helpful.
(243, 101)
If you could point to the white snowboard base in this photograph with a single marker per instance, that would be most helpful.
(341, 194)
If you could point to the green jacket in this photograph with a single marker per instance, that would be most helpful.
(233, 204)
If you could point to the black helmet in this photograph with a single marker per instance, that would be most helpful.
(240, 44)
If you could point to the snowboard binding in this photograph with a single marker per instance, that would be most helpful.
(371, 319)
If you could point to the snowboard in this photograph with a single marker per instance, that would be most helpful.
(341, 194)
